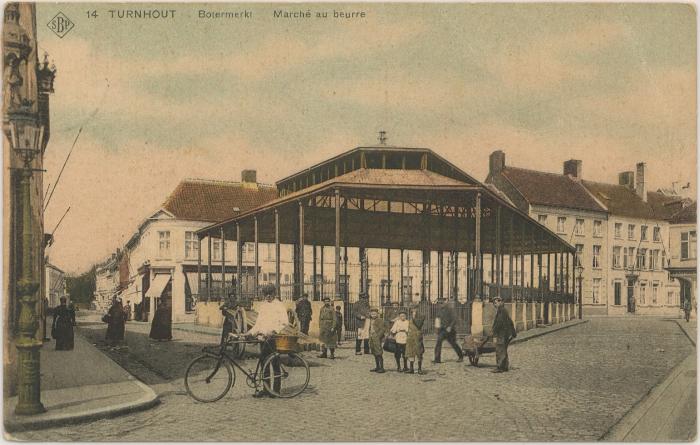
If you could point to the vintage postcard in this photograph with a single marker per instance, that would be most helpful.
(349, 222)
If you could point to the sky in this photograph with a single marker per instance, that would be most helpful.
(164, 100)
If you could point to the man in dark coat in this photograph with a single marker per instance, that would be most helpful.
(503, 332)
(62, 326)
(377, 332)
(338, 322)
(304, 312)
(446, 324)
(161, 327)
(361, 313)
(326, 329)
(116, 319)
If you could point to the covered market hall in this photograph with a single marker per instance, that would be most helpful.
(386, 201)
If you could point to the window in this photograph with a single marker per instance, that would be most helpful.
(618, 293)
(617, 259)
(688, 245)
(191, 245)
(164, 244)
(643, 233)
(595, 290)
(216, 249)
(542, 219)
(630, 257)
(654, 293)
(250, 247)
(669, 298)
(270, 252)
(579, 228)
(286, 278)
(654, 260)
(618, 230)
(597, 228)
(624, 258)
(657, 234)
(596, 257)
(641, 259)
(643, 293)
(630, 231)
(561, 224)
(579, 254)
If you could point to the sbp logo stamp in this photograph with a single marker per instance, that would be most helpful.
(60, 25)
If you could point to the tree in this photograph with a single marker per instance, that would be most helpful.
(81, 288)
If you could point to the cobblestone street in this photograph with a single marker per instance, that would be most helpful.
(570, 385)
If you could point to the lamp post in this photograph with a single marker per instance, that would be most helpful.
(579, 277)
(29, 383)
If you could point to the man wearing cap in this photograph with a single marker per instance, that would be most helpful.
(377, 331)
(361, 312)
(446, 324)
(304, 312)
(503, 331)
(326, 328)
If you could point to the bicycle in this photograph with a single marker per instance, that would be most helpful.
(209, 377)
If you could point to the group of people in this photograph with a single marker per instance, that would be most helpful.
(119, 313)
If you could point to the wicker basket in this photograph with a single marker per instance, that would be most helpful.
(286, 343)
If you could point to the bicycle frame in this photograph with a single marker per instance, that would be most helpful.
(223, 354)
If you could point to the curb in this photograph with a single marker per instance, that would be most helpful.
(148, 400)
(548, 331)
(680, 325)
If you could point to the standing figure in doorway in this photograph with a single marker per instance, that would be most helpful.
(304, 312)
(161, 327)
(687, 309)
(326, 329)
(62, 326)
(446, 325)
(361, 312)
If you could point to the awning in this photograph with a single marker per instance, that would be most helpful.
(157, 285)
(133, 292)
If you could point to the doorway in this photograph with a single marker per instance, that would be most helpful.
(630, 297)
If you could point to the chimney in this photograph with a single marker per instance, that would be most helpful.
(249, 178)
(573, 168)
(497, 162)
(640, 186)
(627, 179)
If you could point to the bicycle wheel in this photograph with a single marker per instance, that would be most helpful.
(285, 375)
(208, 378)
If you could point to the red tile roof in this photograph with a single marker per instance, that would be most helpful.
(688, 215)
(623, 201)
(213, 201)
(551, 189)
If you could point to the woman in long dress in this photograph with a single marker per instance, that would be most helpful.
(116, 319)
(161, 327)
(62, 326)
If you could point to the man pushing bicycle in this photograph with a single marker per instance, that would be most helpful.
(272, 319)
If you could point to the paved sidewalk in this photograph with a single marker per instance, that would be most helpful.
(669, 411)
(80, 385)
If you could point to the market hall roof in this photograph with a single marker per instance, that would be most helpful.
(211, 201)
(419, 192)
(551, 189)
